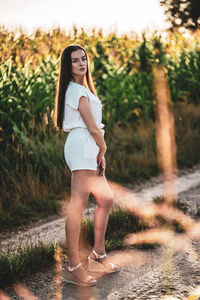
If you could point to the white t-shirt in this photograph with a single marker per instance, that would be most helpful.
(72, 117)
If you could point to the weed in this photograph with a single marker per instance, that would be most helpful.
(198, 210)
(159, 200)
(24, 261)
(120, 224)
(181, 205)
(24, 213)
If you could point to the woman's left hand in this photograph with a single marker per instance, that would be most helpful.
(102, 167)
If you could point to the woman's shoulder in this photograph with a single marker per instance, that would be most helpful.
(76, 89)
(73, 93)
(73, 86)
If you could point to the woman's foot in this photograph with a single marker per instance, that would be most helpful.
(77, 275)
(102, 258)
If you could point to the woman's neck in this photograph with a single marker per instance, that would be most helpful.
(79, 80)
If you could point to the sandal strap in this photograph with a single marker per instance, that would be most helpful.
(71, 269)
(88, 278)
(97, 256)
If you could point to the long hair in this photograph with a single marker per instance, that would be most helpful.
(65, 76)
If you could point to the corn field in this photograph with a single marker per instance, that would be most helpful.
(121, 67)
(122, 70)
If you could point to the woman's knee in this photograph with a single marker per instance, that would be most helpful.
(76, 208)
(106, 202)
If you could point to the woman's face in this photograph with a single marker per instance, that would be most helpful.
(79, 63)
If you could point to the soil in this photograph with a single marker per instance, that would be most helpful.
(154, 273)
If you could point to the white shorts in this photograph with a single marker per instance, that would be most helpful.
(81, 150)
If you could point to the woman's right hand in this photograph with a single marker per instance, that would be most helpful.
(100, 155)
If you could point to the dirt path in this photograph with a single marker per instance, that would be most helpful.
(165, 272)
(54, 230)
(152, 274)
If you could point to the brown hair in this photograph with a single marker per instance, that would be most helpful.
(65, 76)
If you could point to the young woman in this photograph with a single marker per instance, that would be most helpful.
(78, 111)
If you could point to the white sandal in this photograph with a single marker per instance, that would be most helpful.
(94, 265)
(70, 278)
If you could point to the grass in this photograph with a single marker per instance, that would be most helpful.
(178, 203)
(120, 223)
(173, 224)
(24, 213)
(131, 154)
(24, 261)
(34, 188)
(158, 200)
(182, 206)
(198, 210)
(187, 122)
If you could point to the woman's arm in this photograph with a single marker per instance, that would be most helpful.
(88, 118)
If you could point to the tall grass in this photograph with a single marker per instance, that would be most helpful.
(120, 223)
(37, 183)
(131, 154)
(32, 163)
(187, 134)
(35, 190)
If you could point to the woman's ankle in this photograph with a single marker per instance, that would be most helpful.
(99, 250)
(73, 262)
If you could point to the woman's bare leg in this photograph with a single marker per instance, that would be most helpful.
(83, 182)
(80, 190)
(104, 197)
